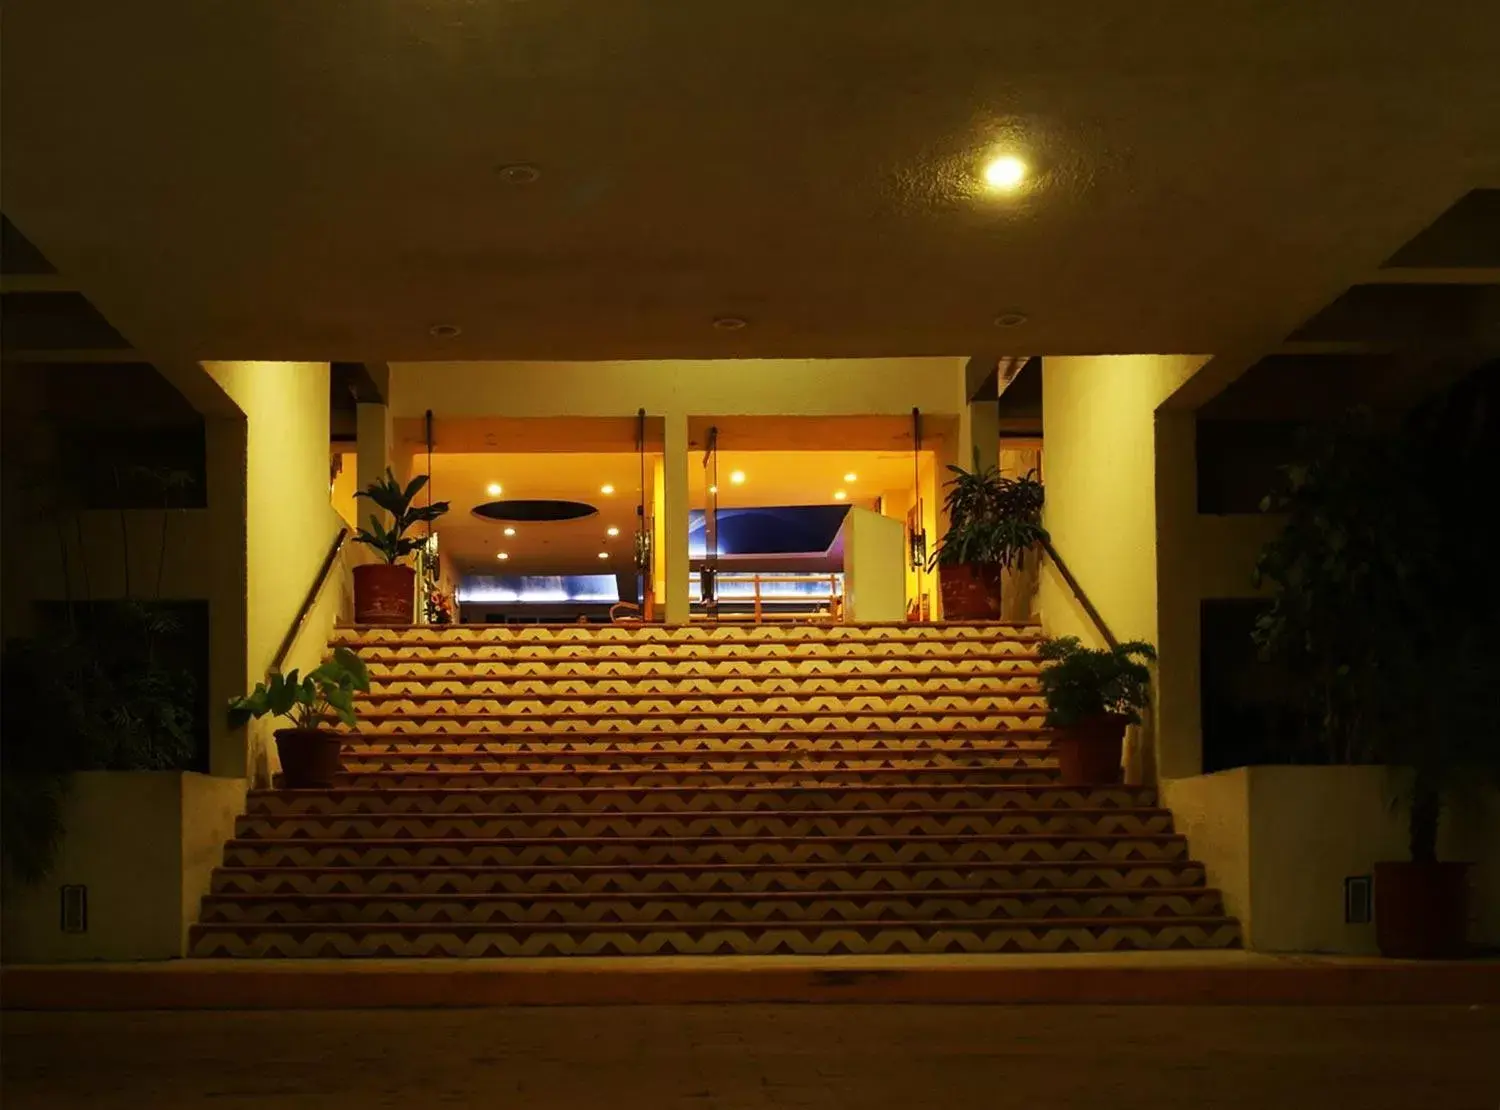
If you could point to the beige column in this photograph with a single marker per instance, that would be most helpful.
(375, 441)
(981, 421)
(674, 550)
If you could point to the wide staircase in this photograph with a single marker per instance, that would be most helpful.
(729, 789)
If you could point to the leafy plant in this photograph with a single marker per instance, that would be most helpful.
(1383, 595)
(306, 699)
(992, 519)
(387, 493)
(1084, 682)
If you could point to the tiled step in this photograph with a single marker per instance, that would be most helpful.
(827, 906)
(852, 937)
(757, 723)
(960, 820)
(767, 743)
(832, 667)
(738, 849)
(381, 706)
(790, 658)
(645, 684)
(1035, 772)
(710, 878)
(680, 800)
(607, 635)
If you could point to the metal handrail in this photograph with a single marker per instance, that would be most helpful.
(1083, 598)
(310, 600)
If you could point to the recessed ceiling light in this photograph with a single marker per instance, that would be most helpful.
(737, 477)
(604, 554)
(731, 323)
(1010, 319)
(519, 173)
(851, 477)
(612, 531)
(445, 331)
(606, 489)
(503, 555)
(510, 531)
(1005, 173)
(839, 495)
(494, 489)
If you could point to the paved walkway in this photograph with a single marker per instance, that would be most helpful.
(726, 1057)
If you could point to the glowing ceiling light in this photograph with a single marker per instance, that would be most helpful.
(510, 531)
(851, 477)
(606, 489)
(738, 477)
(839, 495)
(1004, 173)
(493, 489)
(611, 531)
(604, 554)
(503, 555)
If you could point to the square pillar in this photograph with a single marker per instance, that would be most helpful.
(374, 440)
(674, 523)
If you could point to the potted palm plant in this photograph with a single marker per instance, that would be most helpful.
(993, 523)
(311, 754)
(1384, 608)
(385, 593)
(1092, 695)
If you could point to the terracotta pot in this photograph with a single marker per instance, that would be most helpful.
(309, 757)
(1088, 753)
(384, 594)
(1422, 910)
(970, 591)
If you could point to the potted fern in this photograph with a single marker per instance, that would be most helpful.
(311, 754)
(993, 522)
(385, 593)
(1092, 695)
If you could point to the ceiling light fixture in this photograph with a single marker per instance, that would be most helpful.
(604, 554)
(1005, 173)
(503, 555)
(731, 323)
(737, 477)
(606, 489)
(510, 531)
(851, 477)
(445, 331)
(839, 495)
(493, 489)
(519, 173)
(1010, 319)
(611, 531)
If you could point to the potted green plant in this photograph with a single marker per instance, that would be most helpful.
(311, 754)
(993, 523)
(1383, 607)
(385, 593)
(1092, 695)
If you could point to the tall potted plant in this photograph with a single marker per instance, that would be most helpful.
(1384, 606)
(311, 754)
(993, 523)
(385, 593)
(1092, 695)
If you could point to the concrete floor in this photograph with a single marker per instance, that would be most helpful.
(723, 1057)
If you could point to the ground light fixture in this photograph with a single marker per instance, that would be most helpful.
(494, 489)
(737, 477)
(1004, 173)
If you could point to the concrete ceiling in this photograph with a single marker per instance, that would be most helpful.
(323, 180)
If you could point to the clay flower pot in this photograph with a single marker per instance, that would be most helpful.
(1088, 753)
(1422, 910)
(384, 593)
(970, 591)
(309, 757)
